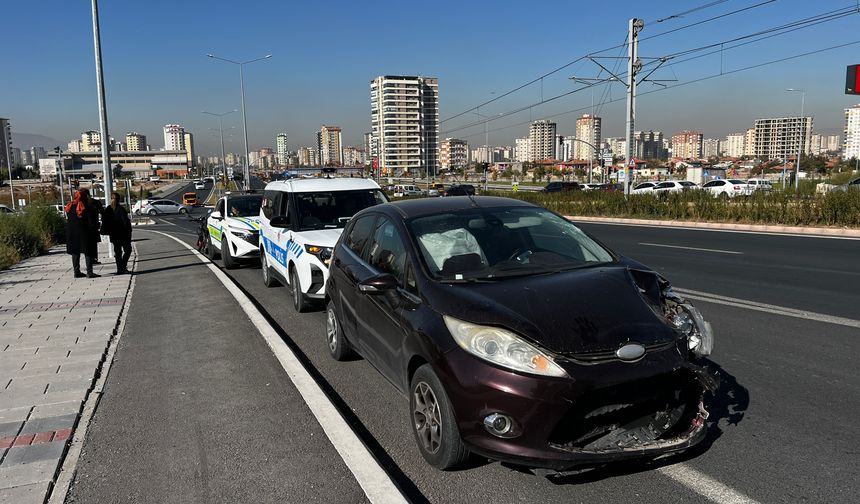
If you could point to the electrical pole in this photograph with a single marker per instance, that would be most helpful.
(633, 67)
(103, 125)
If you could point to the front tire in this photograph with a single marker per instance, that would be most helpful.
(182, 211)
(338, 346)
(226, 258)
(433, 421)
(152, 212)
(268, 279)
(300, 301)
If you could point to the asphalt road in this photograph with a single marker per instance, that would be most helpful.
(781, 425)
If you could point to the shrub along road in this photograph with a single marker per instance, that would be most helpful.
(778, 424)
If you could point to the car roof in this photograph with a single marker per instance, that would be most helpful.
(428, 206)
(321, 184)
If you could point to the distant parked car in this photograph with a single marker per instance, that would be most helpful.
(758, 184)
(644, 187)
(199, 184)
(163, 206)
(5, 209)
(560, 187)
(728, 188)
(671, 186)
(138, 205)
(611, 187)
(460, 190)
(589, 186)
(406, 190)
(154, 178)
(853, 185)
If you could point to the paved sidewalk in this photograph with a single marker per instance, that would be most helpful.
(54, 334)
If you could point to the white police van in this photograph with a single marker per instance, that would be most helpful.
(300, 221)
(234, 228)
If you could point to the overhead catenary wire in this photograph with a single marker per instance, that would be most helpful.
(581, 58)
(686, 83)
(757, 36)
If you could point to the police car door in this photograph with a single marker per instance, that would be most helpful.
(215, 225)
(281, 236)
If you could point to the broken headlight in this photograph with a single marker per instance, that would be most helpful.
(687, 320)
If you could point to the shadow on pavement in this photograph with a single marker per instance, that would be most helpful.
(727, 407)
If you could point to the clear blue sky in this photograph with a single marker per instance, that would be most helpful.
(326, 53)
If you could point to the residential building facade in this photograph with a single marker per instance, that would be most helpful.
(135, 141)
(91, 141)
(522, 149)
(5, 143)
(587, 130)
(405, 123)
(330, 146)
(710, 147)
(281, 145)
(687, 145)
(453, 154)
(733, 146)
(542, 139)
(782, 137)
(174, 137)
(188, 143)
(851, 146)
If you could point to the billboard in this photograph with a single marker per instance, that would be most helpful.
(852, 80)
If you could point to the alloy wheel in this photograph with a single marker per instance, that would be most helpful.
(331, 329)
(427, 417)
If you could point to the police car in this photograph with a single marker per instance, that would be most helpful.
(300, 221)
(234, 229)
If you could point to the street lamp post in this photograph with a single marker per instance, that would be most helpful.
(241, 65)
(221, 131)
(487, 141)
(801, 135)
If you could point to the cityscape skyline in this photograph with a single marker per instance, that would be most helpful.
(280, 99)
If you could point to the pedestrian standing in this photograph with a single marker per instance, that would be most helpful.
(81, 232)
(117, 225)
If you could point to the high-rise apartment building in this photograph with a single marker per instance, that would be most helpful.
(330, 146)
(281, 145)
(542, 139)
(405, 122)
(749, 142)
(5, 143)
(174, 137)
(816, 145)
(353, 156)
(647, 145)
(831, 143)
(587, 130)
(369, 150)
(521, 150)
(851, 146)
(75, 145)
(782, 137)
(687, 145)
(734, 145)
(188, 143)
(454, 154)
(91, 141)
(135, 141)
(710, 147)
(307, 156)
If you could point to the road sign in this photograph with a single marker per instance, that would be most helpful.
(852, 80)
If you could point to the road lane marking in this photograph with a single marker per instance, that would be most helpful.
(372, 478)
(704, 485)
(766, 308)
(691, 248)
(712, 230)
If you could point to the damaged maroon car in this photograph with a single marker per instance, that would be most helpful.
(517, 336)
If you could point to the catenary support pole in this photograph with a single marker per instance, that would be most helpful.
(103, 124)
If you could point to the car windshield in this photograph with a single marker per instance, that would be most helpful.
(332, 210)
(494, 243)
(245, 206)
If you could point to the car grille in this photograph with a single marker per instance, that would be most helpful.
(630, 415)
(252, 237)
(609, 355)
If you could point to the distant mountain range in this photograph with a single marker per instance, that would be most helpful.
(27, 140)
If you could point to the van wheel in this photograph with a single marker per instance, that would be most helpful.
(300, 301)
(268, 279)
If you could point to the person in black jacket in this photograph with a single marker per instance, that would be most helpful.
(116, 224)
(82, 232)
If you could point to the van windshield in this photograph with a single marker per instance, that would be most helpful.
(333, 209)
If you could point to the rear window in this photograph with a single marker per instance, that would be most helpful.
(736, 181)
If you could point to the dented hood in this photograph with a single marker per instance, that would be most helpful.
(576, 312)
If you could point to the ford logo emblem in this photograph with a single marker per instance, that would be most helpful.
(630, 352)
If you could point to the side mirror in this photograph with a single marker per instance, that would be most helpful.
(378, 284)
(280, 221)
(216, 215)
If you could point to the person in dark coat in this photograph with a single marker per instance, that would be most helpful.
(116, 224)
(82, 231)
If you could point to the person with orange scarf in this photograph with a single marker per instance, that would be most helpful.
(82, 232)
